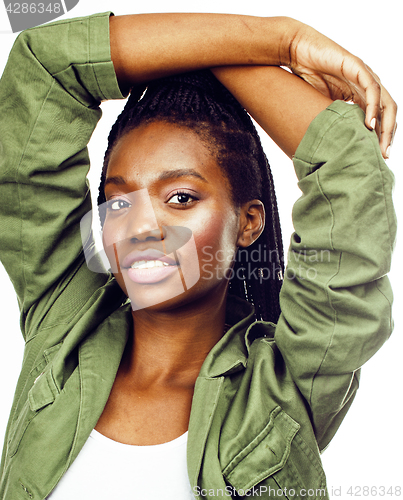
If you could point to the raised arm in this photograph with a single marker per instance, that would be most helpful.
(50, 92)
(335, 300)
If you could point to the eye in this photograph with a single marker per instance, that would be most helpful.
(182, 199)
(116, 205)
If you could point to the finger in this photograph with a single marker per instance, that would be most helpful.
(367, 89)
(381, 110)
(373, 93)
(388, 123)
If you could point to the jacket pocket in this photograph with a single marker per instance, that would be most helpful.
(265, 455)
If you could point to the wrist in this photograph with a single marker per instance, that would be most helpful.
(287, 29)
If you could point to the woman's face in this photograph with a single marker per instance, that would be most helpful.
(171, 229)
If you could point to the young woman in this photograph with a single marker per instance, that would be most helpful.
(185, 389)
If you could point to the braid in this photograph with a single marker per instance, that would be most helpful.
(199, 102)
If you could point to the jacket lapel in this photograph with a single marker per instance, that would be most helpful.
(99, 359)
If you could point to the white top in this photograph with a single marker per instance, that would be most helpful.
(105, 469)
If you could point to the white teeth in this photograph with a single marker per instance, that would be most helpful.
(148, 264)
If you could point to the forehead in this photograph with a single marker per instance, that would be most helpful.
(157, 147)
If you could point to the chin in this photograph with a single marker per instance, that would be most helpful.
(167, 299)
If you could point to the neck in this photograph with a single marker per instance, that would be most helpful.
(169, 347)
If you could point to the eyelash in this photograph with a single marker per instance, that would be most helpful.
(183, 193)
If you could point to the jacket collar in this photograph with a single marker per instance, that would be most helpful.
(230, 354)
(231, 351)
(101, 353)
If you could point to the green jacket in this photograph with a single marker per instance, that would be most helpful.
(262, 409)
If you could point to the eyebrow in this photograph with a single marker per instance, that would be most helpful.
(118, 180)
(180, 172)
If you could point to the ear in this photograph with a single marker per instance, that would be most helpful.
(251, 222)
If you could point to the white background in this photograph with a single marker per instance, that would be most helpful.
(367, 449)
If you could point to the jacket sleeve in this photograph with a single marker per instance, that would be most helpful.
(50, 92)
(336, 299)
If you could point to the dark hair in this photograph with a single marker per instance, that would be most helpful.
(201, 103)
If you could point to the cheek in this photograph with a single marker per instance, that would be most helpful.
(112, 232)
(216, 240)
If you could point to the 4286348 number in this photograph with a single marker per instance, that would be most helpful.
(372, 491)
(34, 8)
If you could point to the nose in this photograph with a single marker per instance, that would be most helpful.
(142, 223)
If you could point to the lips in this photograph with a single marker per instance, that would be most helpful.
(149, 266)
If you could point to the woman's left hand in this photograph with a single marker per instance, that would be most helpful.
(338, 74)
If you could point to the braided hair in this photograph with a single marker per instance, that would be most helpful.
(201, 103)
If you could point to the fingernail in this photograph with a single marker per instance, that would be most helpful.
(388, 152)
(373, 123)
